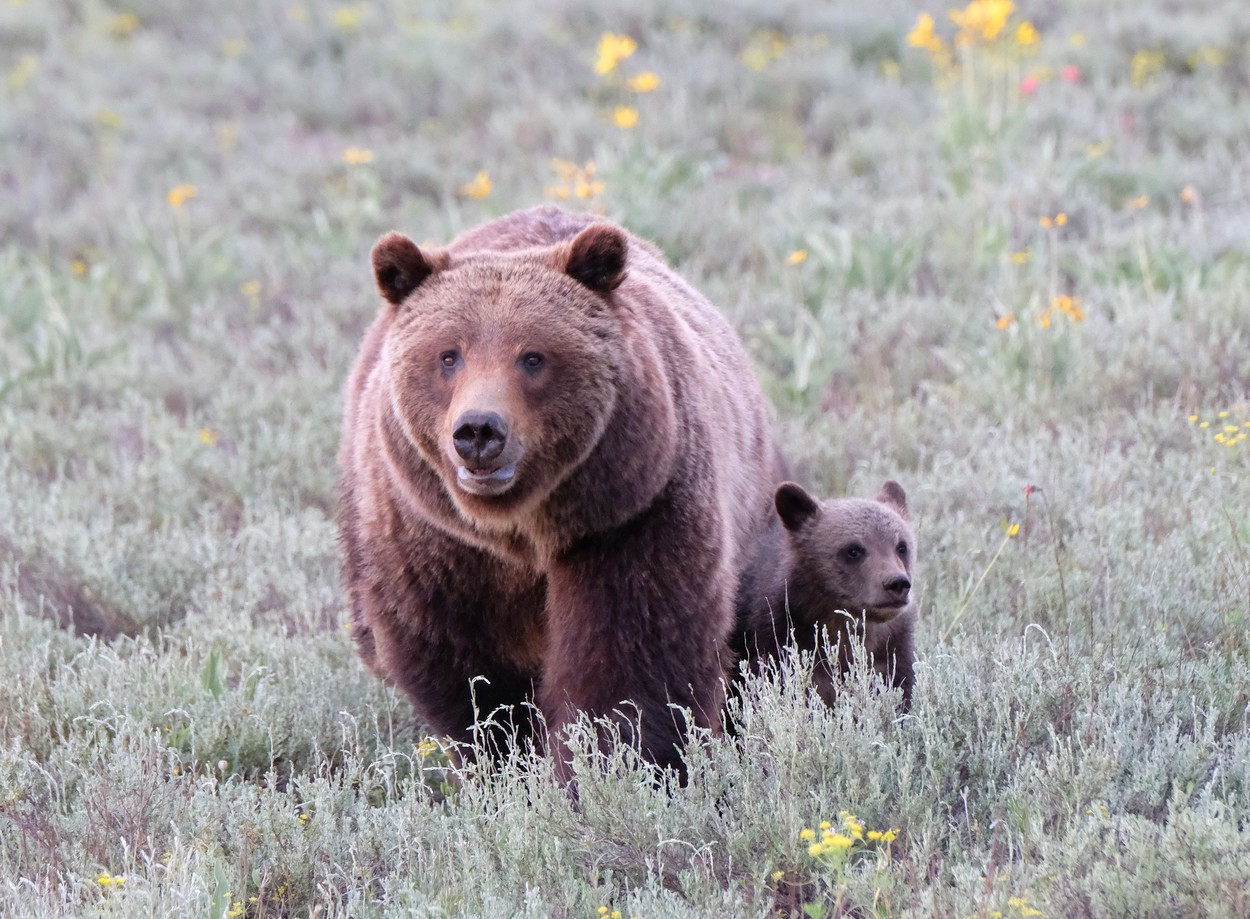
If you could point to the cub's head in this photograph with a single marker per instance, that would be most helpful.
(852, 554)
(502, 367)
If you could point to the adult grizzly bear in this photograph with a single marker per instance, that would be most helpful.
(555, 459)
(843, 566)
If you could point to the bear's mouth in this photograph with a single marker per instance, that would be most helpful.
(884, 612)
(486, 481)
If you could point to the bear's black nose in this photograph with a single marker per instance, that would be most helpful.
(899, 586)
(480, 436)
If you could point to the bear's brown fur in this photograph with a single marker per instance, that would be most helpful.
(555, 460)
(843, 566)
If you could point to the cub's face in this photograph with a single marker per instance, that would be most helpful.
(502, 372)
(859, 552)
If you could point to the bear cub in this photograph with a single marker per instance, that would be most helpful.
(842, 565)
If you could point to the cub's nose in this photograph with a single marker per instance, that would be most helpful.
(897, 586)
(480, 436)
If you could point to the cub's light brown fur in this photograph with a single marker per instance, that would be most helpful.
(555, 461)
(841, 565)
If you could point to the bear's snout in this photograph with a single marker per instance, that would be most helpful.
(897, 587)
(480, 437)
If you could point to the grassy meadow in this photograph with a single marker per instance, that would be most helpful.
(1001, 255)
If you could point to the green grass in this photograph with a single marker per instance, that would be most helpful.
(180, 705)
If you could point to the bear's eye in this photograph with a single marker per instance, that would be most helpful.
(902, 549)
(532, 360)
(853, 553)
(449, 358)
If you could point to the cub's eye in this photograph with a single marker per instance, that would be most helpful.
(449, 358)
(853, 553)
(532, 360)
(902, 549)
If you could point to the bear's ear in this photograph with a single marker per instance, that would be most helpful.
(400, 267)
(892, 494)
(597, 258)
(795, 506)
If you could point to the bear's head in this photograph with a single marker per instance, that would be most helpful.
(503, 366)
(852, 554)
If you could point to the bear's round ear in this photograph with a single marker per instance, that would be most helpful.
(892, 494)
(597, 258)
(400, 267)
(795, 506)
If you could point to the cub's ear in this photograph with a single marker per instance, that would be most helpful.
(892, 494)
(795, 506)
(597, 258)
(400, 267)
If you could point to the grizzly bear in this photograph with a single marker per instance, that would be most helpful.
(555, 460)
(839, 566)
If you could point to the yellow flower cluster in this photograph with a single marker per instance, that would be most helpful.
(1055, 222)
(625, 116)
(479, 188)
(837, 844)
(644, 82)
(1062, 305)
(981, 22)
(110, 880)
(1227, 433)
(428, 747)
(612, 50)
(574, 181)
(1145, 66)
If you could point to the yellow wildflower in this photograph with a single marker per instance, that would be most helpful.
(426, 748)
(645, 82)
(1069, 306)
(78, 267)
(1005, 321)
(1145, 66)
(806, 834)
(798, 257)
(981, 19)
(1026, 35)
(838, 842)
(1139, 202)
(1020, 257)
(625, 116)
(612, 50)
(1013, 530)
(923, 36)
(180, 195)
(208, 436)
(357, 156)
(480, 187)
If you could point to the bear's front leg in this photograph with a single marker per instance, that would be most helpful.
(638, 621)
(455, 628)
